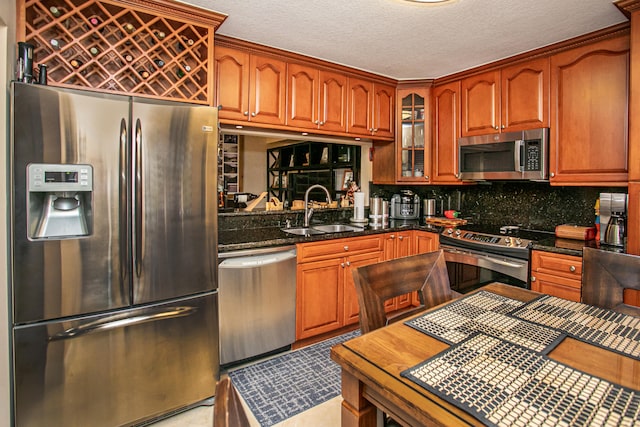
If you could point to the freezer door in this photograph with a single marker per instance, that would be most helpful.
(65, 277)
(117, 369)
(174, 197)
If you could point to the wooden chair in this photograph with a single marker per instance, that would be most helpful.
(227, 407)
(377, 283)
(605, 276)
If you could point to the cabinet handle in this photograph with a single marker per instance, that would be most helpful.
(253, 114)
(572, 268)
(533, 278)
(346, 248)
(246, 113)
(393, 236)
(348, 263)
(342, 264)
(497, 128)
(552, 174)
(321, 123)
(503, 126)
(400, 237)
(375, 129)
(316, 122)
(426, 177)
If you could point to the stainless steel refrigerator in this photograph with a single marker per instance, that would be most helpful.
(114, 257)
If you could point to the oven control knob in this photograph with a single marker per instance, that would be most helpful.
(518, 242)
(449, 230)
(507, 240)
(458, 232)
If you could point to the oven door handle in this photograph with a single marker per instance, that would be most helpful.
(485, 257)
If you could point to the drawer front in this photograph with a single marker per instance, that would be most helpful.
(567, 266)
(338, 248)
(552, 287)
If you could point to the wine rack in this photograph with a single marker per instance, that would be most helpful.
(109, 46)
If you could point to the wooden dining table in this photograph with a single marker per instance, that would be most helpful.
(372, 363)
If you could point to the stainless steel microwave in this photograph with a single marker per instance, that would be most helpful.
(505, 156)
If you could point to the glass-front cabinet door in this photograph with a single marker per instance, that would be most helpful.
(413, 155)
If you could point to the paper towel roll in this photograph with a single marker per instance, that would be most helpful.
(358, 205)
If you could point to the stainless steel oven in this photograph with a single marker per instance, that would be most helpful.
(476, 258)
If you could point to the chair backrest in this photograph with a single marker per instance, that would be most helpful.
(377, 283)
(605, 276)
(227, 407)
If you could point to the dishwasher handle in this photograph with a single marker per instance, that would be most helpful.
(252, 261)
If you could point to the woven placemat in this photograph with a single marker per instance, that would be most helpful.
(504, 384)
(604, 328)
(485, 312)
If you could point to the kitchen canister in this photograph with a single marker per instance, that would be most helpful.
(429, 207)
(375, 210)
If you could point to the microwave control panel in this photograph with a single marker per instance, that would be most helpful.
(533, 155)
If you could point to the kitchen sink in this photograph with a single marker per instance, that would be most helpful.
(302, 231)
(336, 228)
(321, 229)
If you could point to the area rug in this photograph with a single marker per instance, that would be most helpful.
(281, 387)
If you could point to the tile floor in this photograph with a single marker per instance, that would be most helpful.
(326, 414)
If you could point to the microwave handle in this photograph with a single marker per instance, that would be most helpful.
(519, 155)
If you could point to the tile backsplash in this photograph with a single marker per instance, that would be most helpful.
(531, 205)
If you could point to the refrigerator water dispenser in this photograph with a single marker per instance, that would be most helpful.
(59, 202)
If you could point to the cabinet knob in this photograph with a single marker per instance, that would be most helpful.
(496, 128)
(572, 268)
(346, 248)
(253, 114)
(393, 236)
(426, 177)
(342, 264)
(321, 123)
(316, 122)
(400, 237)
(533, 278)
(375, 129)
(348, 263)
(552, 174)
(503, 126)
(246, 113)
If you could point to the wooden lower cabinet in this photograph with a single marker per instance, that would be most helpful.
(326, 298)
(556, 274)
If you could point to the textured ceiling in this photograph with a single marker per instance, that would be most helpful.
(405, 40)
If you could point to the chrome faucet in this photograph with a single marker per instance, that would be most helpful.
(307, 210)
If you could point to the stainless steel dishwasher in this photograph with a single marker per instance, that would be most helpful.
(257, 302)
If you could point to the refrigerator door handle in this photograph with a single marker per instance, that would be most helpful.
(138, 199)
(124, 266)
(121, 321)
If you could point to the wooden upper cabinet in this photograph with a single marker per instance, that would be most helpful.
(317, 99)
(589, 114)
(413, 149)
(371, 109)
(481, 104)
(232, 83)
(250, 87)
(446, 131)
(524, 93)
(383, 110)
(511, 99)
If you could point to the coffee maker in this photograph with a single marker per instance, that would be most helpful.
(613, 213)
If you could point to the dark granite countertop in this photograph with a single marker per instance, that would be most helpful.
(255, 238)
(571, 247)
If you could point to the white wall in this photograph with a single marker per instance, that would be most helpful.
(7, 50)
